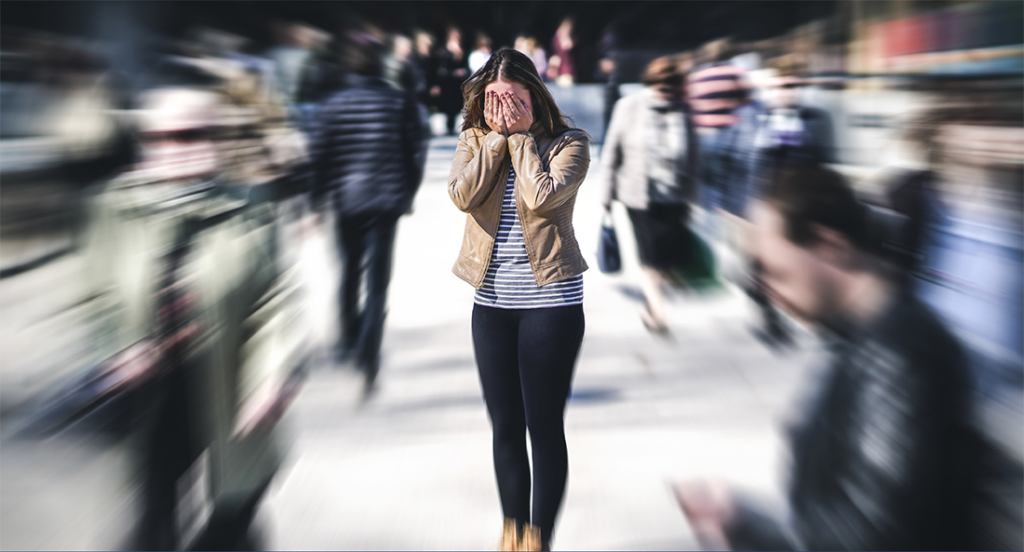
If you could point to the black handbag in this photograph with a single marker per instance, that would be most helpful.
(609, 259)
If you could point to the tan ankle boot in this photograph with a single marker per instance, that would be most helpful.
(509, 536)
(531, 539)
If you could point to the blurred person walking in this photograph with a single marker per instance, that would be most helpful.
(788, 134)
(368, 159)
(290, 56)
(959, 246)
(197, 319)
(726, 120)
(404, 71)
(453, 68)
(736, 157)
(883, 456)
(528, 46)
(562, 65)
(427, 59)
(481, 54)
(516, 172)
(649, 163)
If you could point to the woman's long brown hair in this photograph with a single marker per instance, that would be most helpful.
(511, 66)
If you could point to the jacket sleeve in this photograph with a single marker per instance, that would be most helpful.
(692, 157)
(889, 479)
(473, 172)
(611, 154)
(104, 302)
(319, 150)
(543, 190)
(272, 327)
(414, 142)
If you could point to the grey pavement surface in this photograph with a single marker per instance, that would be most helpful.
(411, 467)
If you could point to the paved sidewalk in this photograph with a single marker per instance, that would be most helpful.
(411, 468)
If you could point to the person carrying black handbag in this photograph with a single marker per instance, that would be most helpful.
(649, 163)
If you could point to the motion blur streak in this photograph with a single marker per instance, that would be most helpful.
(816, 339)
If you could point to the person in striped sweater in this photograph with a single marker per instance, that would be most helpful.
(515, 173)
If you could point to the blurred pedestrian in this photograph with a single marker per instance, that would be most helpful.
(562, 65)
(198, 317)
(959, 249)
(883, 457)
(367, 158)
(290, 56)
(649, 163)
(787, 134)
(528, 46)
(733, 165)
(610, 71)
(400, 70)
(516, 171)
(453, 69)
(404, 72)
(427, 59)
(726, 121)
(481, 54)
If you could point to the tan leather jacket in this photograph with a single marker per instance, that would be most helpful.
(549, 170)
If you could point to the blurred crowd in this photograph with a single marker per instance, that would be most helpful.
(192, 186)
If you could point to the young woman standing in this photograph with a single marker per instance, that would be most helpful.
(515, 173)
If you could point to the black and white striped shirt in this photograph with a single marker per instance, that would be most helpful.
(509, 282)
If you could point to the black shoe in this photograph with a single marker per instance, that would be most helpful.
(344, 355)
(370, 371)
(775, 338)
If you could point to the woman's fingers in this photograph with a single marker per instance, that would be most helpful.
(511, 105)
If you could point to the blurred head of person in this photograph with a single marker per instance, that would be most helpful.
(565, 28)
(454, 41)
(684, 63)
(510, 71)
(783, 87)
(982, 136)
(716, 51)
(483, 43)
(811, 242)
(662, 77)
(401, 46)
(363, 54)
(424, 43)
(177, 125)
(522, 45)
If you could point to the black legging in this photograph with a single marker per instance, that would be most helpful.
(526, 359)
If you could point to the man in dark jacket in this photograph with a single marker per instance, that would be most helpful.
(883, 457)
(368, 158)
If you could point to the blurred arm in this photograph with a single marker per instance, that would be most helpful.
(474, 171)
(543, 190)
(104, 300)
(319, 155)
(414, 143)
(611, 154)
(272, 347)
(883, 487)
